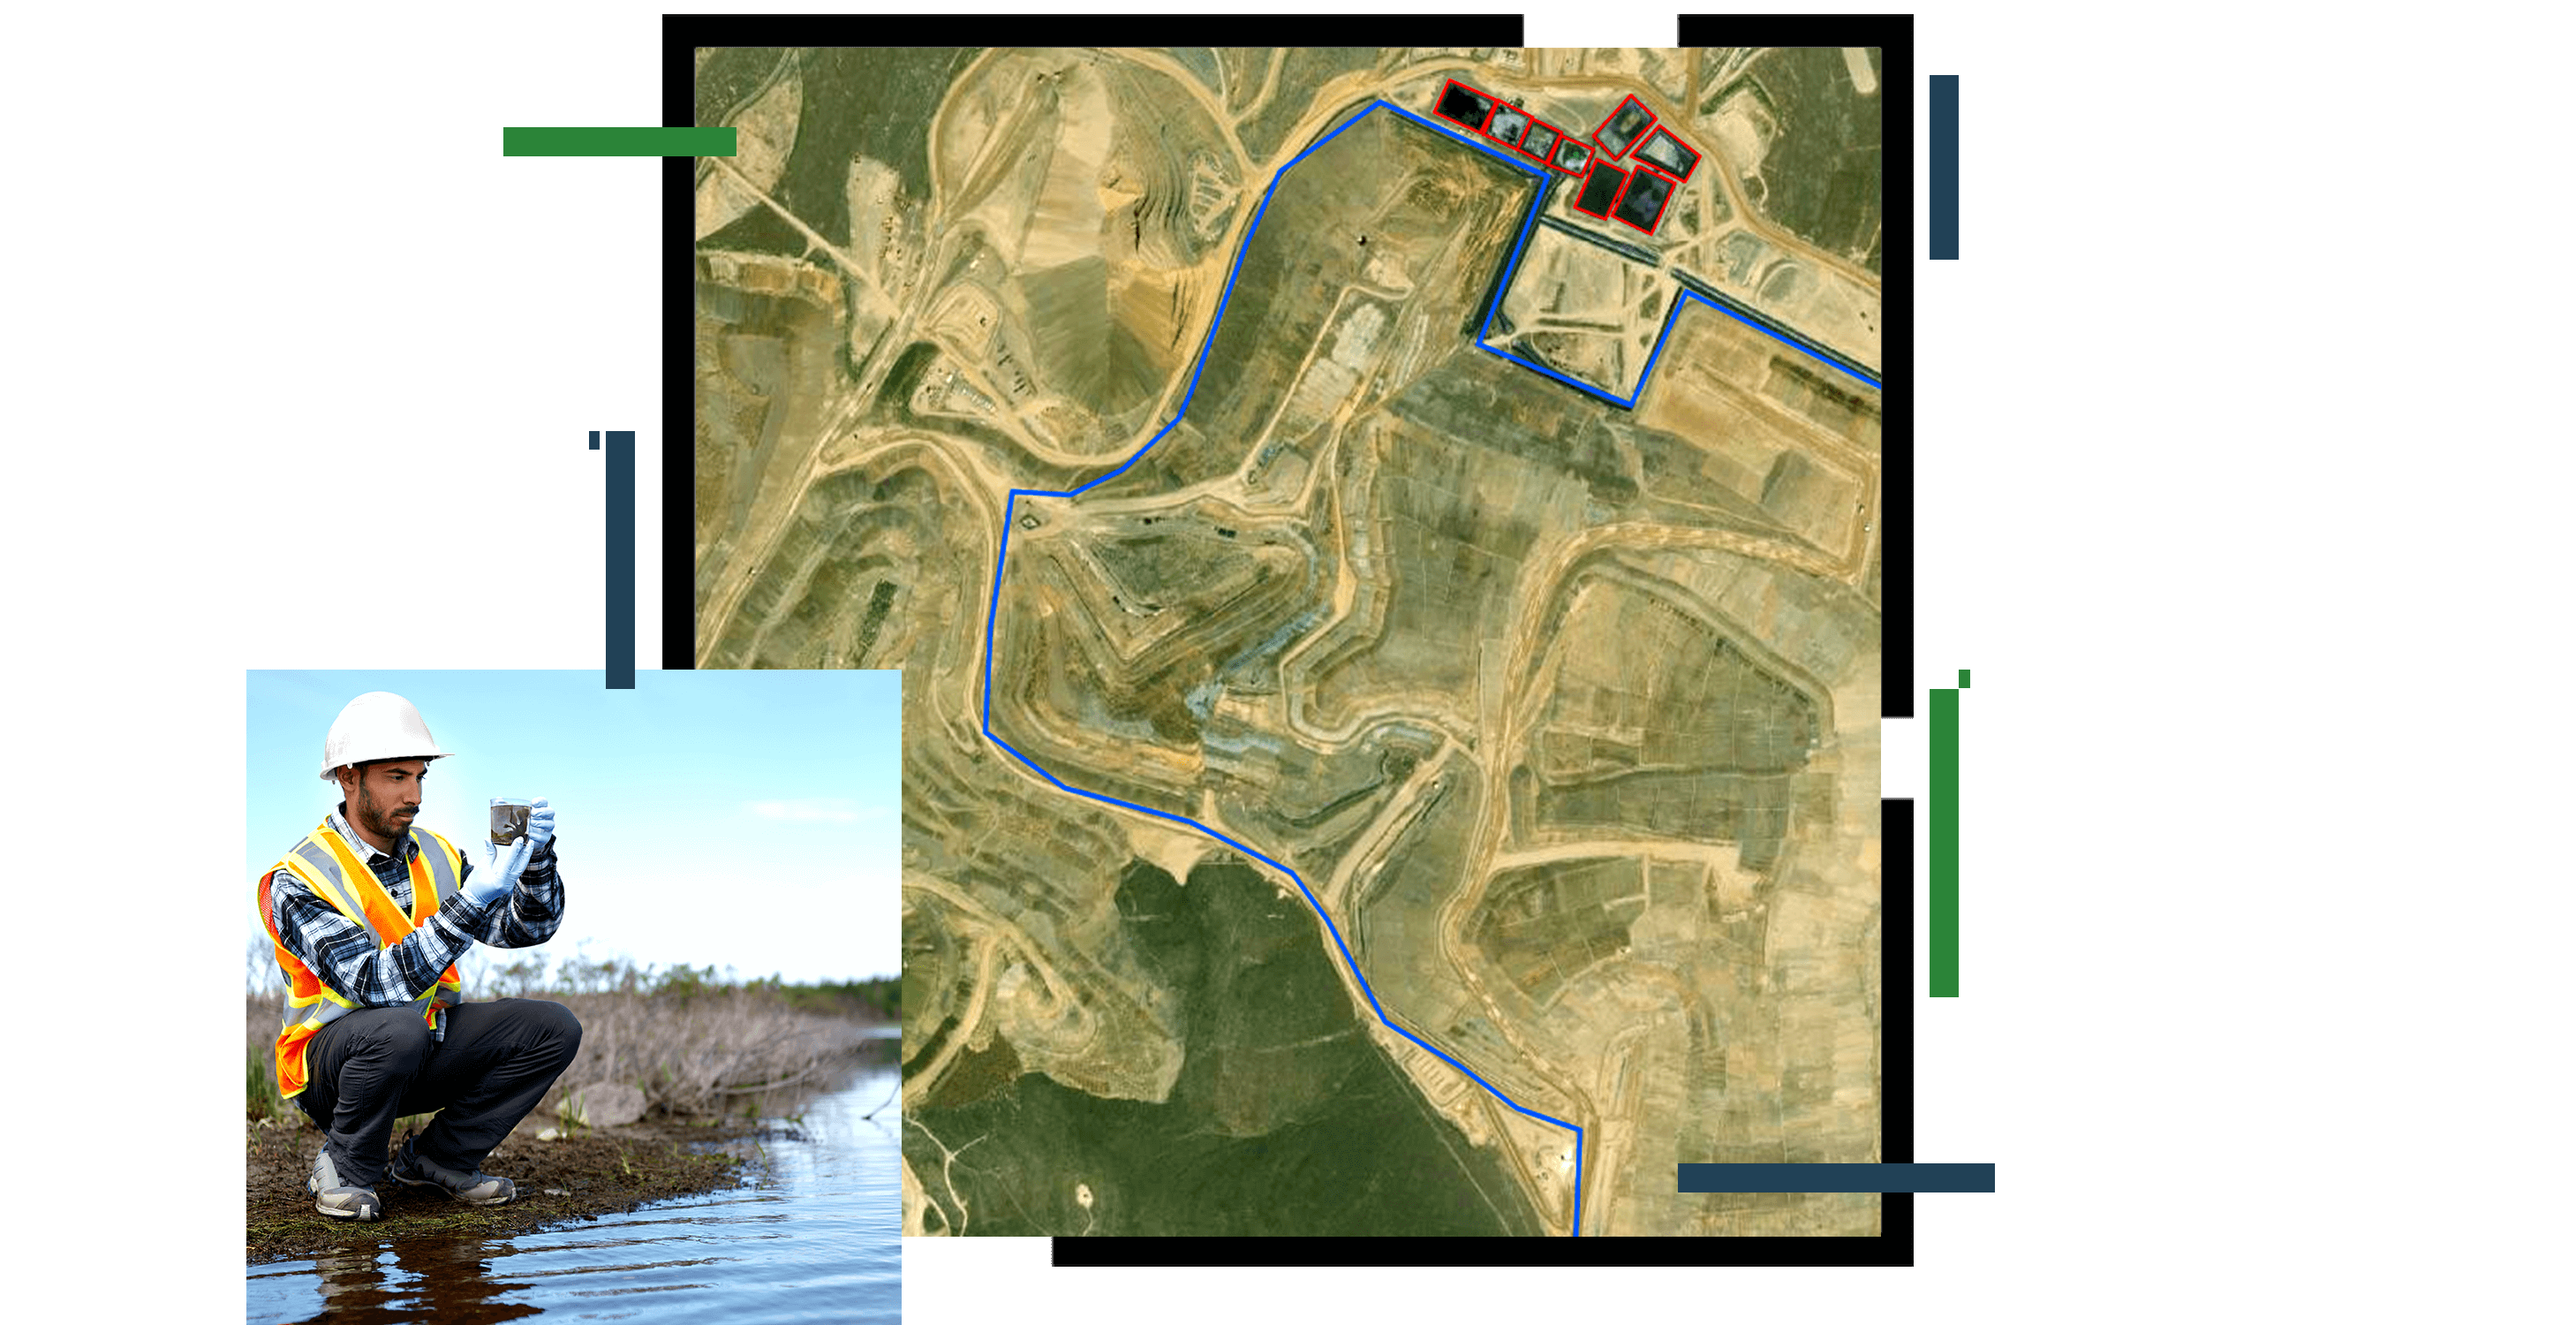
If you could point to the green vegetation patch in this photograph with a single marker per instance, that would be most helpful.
(1287, 1118)
(1820, 177)
(884, 98)
(1543, 924)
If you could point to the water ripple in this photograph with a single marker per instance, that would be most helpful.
(817, 1239)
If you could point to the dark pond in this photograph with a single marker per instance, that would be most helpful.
(1465, 107)
(1599, 188)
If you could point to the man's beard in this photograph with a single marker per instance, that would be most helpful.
(381, 820)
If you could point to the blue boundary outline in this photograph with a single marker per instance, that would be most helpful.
(1011, 501)
(1688, 296)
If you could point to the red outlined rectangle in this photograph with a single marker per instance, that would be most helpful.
(1613, 118)
(1538, 126)
(1688, 153)
(1648, 173)
(1569, 147)
(1499, 131)
(1489, 98)
(1599, 164)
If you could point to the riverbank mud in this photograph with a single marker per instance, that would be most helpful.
(580, 1177)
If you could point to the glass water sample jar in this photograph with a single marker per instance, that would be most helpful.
(509, 819)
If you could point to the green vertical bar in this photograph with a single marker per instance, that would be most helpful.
(1945, 843)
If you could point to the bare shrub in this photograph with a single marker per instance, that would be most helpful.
(692, 1043)
(712, 1052)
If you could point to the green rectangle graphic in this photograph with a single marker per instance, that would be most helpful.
(644, 141)
(1945, 844)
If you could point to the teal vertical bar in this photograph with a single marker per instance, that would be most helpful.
(621, 560)
(1945, 843)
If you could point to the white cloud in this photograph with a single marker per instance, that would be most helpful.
(813, 809)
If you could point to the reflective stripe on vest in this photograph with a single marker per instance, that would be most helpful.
(436, 870)
(326, 864)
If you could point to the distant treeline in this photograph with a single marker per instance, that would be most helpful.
(880, 999)
(851, 998)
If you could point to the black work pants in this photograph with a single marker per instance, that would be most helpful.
(374, 1065)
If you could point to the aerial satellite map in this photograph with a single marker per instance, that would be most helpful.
(1383, 549)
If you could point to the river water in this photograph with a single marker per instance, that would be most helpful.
(817, 1237)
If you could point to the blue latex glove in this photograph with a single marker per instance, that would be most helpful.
(500, 873)
(541, 821)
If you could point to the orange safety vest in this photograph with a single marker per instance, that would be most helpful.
(326, 863)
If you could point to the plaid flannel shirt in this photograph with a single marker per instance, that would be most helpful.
(344, 955)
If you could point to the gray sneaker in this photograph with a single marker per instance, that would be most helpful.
(333, 1198)
(476, 1188)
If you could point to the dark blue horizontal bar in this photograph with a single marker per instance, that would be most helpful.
(1838, 1178)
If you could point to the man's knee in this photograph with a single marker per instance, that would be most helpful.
(553, 1024)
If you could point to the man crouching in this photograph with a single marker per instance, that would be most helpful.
(367, 916)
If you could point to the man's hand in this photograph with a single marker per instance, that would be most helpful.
(541, 821)
(500, 873)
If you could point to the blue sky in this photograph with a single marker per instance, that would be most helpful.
(742, 818)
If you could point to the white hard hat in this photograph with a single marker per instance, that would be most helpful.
(377, 725)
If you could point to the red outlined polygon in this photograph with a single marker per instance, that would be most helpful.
(1599, 163)
(1491, 101)
(1555, 136)
(1494, 124)
(1665, 131)
(1662, 204)
(1574, 145)
(1647, 128)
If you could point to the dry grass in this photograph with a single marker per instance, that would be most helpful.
(692, 1044)
(706, 1053)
